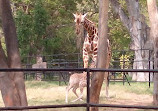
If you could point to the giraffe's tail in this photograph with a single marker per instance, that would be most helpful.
(70, 73)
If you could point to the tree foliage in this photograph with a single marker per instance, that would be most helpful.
(40, 19)
(24, 32)
(119, 36)
(47, 25)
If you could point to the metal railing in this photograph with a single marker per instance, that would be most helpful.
(87, 105)
(74, 60)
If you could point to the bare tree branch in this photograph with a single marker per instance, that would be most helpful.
(118, 10)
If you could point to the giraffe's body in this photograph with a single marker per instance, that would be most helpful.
(90, 45)
(77, 80)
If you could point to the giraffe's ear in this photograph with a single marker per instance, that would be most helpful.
(74, 15)
(84, 15)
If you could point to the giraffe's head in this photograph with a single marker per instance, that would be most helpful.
(79, 19)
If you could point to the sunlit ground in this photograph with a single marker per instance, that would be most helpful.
(50, 93)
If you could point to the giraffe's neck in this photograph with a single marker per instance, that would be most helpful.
(84, 75)
(90, 27)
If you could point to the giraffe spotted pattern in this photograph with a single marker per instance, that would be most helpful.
(90, 45)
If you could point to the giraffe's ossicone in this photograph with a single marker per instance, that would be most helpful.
(90, 45)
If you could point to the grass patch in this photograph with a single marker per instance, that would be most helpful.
(136, 87)
(50, 93)
(45, 92)
(140, 88)
(42, 84)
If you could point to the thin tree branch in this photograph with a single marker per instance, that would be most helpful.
(118, 10)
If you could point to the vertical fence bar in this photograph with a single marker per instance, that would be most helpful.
(123, 67)
(88, 89)
(114, 77)
(59, 79)
(149, 68)
(78, 60)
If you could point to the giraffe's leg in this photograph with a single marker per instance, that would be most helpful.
(74, 91)
(94, 59)
(67, 92)
(107, 84)
(82, 84)
(85, 59)
(78, 98)
(81, 95)
(107, 73)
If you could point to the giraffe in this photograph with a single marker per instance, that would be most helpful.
(77, 80)
(90, 45)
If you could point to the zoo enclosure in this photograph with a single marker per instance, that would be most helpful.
(87, 104)
(120, 60)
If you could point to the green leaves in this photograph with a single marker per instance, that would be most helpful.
(24, 30)
(45, 25)
(40, 19)
(119, 36)
(31, 27)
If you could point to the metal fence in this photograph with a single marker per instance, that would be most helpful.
(74, 60)
(87, 105)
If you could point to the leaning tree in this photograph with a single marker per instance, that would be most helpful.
(136, 25)
(11, 83)
(98, 77)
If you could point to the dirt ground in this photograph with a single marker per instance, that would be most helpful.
(133, 99)
(44, 93)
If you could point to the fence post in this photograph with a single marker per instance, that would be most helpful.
(88, 89)
(123, 67)
(149, 68)
(78, 60)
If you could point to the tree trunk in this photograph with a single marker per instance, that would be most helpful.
(153, 17)
(13, 57)
(98, 77)
(135, 33)
(7, 86)
(138, 30)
